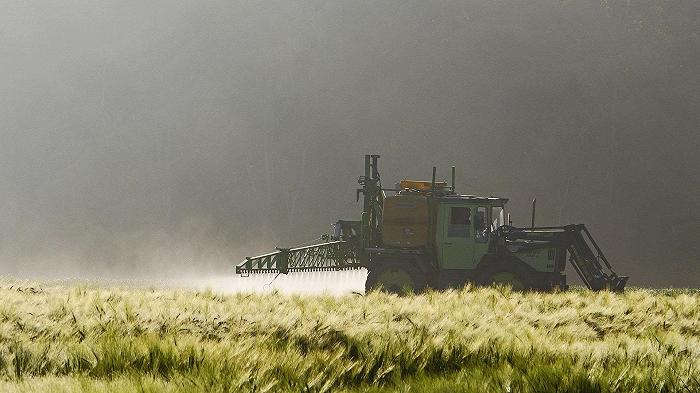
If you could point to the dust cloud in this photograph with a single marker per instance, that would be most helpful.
(334, 283)
(147, 140)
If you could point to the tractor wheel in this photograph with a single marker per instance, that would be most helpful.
(507, 279)
(395, 277)
(517, 279)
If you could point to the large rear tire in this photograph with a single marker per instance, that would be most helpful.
(395, 277)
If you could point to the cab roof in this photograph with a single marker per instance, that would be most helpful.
(493, 201)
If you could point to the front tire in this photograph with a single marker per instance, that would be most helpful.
(395, 277)
(519, 279)
(507, 279)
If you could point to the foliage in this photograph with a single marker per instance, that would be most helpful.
(66, 338)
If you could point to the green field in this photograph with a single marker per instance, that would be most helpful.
(86, 338)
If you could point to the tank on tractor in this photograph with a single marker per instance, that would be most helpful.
(423, 234)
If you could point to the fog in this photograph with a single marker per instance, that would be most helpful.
(171, 139)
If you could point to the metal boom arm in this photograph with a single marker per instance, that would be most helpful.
(330, 256)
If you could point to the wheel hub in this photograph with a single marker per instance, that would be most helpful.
(509, 279)
(396, 281)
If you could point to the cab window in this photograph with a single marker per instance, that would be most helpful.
(481, 228)
(460, 222)
(497, 218)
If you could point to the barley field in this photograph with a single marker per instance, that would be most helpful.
(68, 337)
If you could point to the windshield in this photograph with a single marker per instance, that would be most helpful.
(496, 217)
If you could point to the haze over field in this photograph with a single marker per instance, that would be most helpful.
(159, 138)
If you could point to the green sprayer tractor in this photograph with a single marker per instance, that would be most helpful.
(422, 234)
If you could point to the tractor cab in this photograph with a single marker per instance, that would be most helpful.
(464, 227)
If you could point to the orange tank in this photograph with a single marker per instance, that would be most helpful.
(405, 221)
(422, 185)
